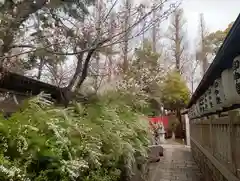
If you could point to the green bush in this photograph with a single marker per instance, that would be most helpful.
(91, 142)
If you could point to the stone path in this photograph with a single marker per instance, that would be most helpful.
(176, 165)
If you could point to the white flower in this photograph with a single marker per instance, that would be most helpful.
(74, 167)
(13, 172)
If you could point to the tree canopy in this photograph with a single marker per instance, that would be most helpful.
(215, 39)
(145, 69)
(175, 93)
(145, 75)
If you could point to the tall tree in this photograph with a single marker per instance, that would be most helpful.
(202, 54)
(110, 54)
(156, 25)
(175, 93)
(192, 69)
(176, 35)
(76, 33)
(99, 16)
(173, 100)
(95, 40)
(154, 31)
(127, 9)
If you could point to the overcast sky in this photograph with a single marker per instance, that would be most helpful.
(217, 14)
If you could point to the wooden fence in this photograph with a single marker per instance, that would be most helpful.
(215, 142)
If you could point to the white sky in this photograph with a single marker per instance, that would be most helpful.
(217, 14)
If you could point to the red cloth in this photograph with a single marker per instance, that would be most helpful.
(163, 119)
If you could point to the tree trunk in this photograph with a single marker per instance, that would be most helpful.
(126, 35)
(178, 42)
(96, 81)
(110, 57)
(40, 68)
(154, 33)
(205, 64)
(76, 77)
(179, 117)
(77, 80)
(203, 44)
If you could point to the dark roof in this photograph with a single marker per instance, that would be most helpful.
(18, 83)
(223, 60)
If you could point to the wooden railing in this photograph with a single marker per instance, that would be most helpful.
(215, 141)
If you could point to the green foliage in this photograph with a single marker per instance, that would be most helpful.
(82, 143)
(214, 40)
(145, 56)
(175, 93)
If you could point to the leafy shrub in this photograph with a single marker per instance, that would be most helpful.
(91, 142)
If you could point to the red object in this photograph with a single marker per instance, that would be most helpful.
(163, 119)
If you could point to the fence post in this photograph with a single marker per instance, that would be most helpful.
(233, 116)
(211, 135)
